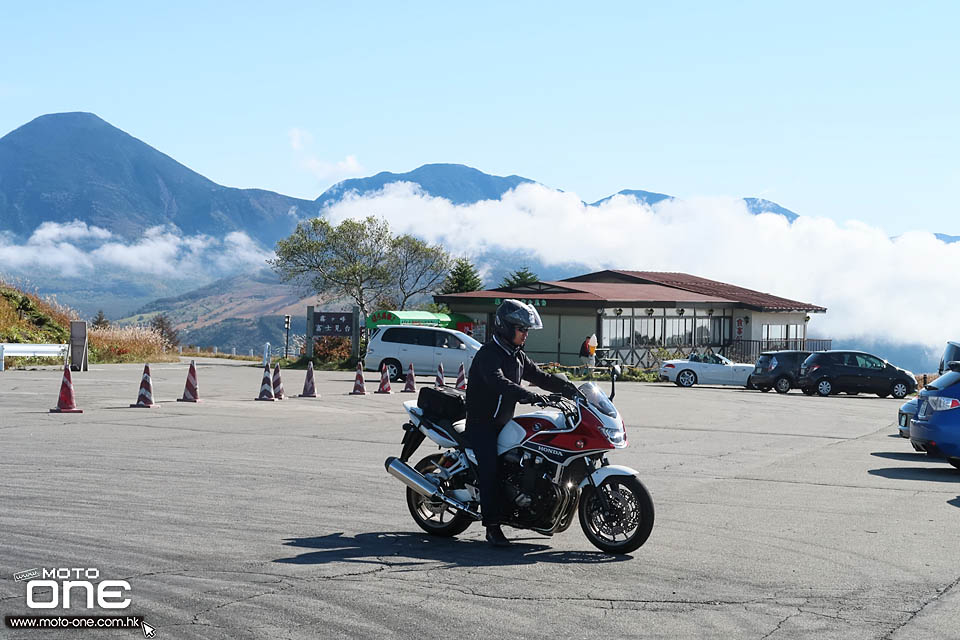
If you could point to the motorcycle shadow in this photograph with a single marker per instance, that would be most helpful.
(377, 547)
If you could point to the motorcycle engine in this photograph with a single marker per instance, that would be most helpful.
(527, 488)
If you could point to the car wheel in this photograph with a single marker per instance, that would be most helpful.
(954, 461)
(808, 391)
(824, 387)
(782, 385)
(899, 390)
(394, 369)
(686, 378)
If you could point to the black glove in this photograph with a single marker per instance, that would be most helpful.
(569, 390)
(532, 398)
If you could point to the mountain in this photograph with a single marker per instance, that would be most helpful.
(457, 183)
(756, 206)
(646, 197)
(66, 166)
(241, 311)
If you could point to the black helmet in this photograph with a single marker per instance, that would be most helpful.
(513, 314)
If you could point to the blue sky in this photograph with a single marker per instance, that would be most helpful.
(844, 111)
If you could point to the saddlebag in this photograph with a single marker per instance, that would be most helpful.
(443, 403)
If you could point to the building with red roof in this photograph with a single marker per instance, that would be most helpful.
(639, 316)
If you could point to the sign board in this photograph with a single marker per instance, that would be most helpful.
(332, 323)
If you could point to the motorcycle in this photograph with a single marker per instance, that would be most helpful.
(552, 464)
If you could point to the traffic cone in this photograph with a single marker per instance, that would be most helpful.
(358, 388)
(439, 381)
(145, 397)
(384, 381)
(266, 389)
(411, 384)
(309, 390)
(190, 392)
(66, 403)
(461, 379)
(277, 383)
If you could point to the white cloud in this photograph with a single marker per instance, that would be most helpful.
(75, 250)
(874, 287)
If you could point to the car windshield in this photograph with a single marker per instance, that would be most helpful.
(598, 398)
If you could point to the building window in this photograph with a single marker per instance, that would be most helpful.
(616, 332)
(647, 331)
(677, 331)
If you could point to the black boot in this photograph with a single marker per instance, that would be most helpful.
(495, 536)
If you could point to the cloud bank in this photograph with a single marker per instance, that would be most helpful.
(874, 287)
(75, 249)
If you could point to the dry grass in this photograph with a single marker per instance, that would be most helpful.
(129, 344)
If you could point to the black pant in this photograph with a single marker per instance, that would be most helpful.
(483, 440)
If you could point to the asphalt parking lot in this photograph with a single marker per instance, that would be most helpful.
(777, 517)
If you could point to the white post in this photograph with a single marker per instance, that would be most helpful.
(1, 357)
(266, 354)
(215, 351)
(233, 351)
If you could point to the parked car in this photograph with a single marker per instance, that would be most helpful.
(905, 415)
(936, 429)
(705, 369)
(424, 347)
(777, 370)
(828, 372)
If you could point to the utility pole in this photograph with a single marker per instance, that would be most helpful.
(286, 325)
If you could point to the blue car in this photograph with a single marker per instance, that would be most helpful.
(936, 429)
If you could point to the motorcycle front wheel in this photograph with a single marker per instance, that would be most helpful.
(626, 522)
(434, 516)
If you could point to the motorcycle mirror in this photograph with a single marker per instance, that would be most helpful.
(614, 372)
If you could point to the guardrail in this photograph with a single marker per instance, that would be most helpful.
(27, 350)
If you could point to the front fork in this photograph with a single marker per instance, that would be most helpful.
(590, 466)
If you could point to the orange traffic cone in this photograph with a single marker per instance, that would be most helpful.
(358, 388)
(66, 403)
(384, 381)
(145, 397)
(461, 379)
(309, 390)
(411, 384)
(266, 389)
(190, 392)
(277, 383)
(439, 381)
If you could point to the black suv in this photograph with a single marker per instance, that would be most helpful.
(777, 370)
(854, 372)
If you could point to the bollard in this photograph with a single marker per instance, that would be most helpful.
(180, 349)
(233, 351)
(215, 351)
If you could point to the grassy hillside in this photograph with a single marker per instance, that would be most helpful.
(26, 318)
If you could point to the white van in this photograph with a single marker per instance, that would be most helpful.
(398, 347)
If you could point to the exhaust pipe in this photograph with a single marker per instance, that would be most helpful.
(415, 480)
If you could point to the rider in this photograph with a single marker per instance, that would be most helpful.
(493, 394)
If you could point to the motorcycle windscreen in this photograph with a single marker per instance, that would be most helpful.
(596, 397)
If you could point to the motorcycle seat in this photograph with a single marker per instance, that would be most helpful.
(455, 430)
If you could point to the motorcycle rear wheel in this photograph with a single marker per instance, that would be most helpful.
(628, 523)
(434, 516)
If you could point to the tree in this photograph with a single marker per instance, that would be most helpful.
(351, 259)
(419, 267)
(100, 322)
(519, 278)
(463, 278)
(361, 260)
(162, 325)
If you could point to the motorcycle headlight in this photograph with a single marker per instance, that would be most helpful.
(616, 435)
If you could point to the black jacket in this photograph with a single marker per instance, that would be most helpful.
(494, 388)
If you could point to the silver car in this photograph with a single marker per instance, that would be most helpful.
(397, 347)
